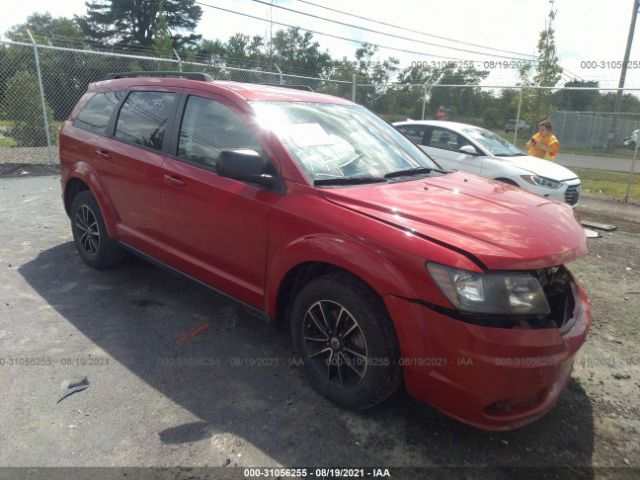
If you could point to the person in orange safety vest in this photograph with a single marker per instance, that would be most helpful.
(544, 143)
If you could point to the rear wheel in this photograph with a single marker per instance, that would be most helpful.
(343, 334)
(95, 247)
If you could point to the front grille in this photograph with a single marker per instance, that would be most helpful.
(572, 194)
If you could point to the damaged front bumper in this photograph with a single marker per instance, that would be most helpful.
(491, 378)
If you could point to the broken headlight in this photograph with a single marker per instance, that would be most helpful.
(500, 293)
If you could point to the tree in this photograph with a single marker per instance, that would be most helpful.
(536, 104)
(138, 23)
(45, 27)
(577, 100)
(23, 108)
(298, 51)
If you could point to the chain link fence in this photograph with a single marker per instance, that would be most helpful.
(40, 84)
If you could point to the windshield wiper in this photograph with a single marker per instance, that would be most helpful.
(347, 181)
(519, 154)
(413, 171)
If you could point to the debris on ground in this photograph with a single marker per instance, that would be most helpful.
(591, 233)
(75, 387)
(599, 226)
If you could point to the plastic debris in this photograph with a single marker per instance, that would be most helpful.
(75, 387)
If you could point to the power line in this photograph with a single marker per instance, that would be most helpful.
(413, 31)
(339, 37)
(379, 32)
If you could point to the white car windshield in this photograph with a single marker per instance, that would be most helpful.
(340, 142)
(495, 144)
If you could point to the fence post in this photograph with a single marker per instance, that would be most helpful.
(179, 59)
(515, 130)
(279, 73)
(42, 100)
(424, 101)
(353, 87)
(632, 172)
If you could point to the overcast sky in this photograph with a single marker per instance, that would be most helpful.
(586, 30)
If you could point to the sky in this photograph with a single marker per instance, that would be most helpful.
(586, 30)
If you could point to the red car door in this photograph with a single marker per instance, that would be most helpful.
(216, 228)
(131, 163)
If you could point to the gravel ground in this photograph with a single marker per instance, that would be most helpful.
(29, 155)
(160, 398)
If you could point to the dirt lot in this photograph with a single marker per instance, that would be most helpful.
(158, 397)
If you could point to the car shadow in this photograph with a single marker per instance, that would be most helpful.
(236, 374)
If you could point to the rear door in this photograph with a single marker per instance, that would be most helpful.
(132, 161)
(444, 145)
(216, 227)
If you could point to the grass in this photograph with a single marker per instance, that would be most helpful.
(609, 184)
(7, 142)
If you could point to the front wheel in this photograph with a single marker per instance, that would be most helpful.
(95, 247)
(343, 334)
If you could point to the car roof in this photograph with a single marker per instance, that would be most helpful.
(245, 91)
(455, 126)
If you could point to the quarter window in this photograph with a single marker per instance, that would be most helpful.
(208, 127)
(96, 113)
(143, 118)
(415, 133)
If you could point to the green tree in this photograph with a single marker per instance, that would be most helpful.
(294, 50)
(536, 103)
(135, 22)
(45, 28)
(63, 73)
(23, 108)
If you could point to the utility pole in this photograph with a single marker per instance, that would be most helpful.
(623, 74)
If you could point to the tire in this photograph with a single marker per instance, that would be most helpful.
(90, 235)
(333, 355)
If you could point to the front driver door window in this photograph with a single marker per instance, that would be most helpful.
(445, 144)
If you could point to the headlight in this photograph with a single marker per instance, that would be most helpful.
(541, 181)
(516, 293)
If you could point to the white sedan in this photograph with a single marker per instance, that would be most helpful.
(458, 146)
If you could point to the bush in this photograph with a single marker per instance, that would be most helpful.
(23, 108)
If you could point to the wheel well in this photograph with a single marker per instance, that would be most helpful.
(298, 277)
(74, 186)
(508, 181)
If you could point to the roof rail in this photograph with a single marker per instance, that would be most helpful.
(190, 75)
(306, 88)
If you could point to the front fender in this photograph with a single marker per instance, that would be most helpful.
(367, 262)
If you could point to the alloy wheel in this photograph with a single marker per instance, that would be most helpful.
(334, 343)
(87, 230)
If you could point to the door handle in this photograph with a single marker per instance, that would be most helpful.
(103, 153)
(177, 181)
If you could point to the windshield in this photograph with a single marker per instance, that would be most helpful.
(330, 141)
(495, 144)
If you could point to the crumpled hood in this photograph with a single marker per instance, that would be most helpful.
(502, 226)
(539, 166)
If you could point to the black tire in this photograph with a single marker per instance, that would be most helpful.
(348, 380)
(90, 235)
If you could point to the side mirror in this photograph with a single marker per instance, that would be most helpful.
(469, 150)
(244, 165)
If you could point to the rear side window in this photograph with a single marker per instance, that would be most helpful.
(143, 118)
(208, 127)
(96, 113)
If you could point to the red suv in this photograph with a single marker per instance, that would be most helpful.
(320, 215)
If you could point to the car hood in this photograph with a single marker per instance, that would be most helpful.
(499, 226)
(539, 166)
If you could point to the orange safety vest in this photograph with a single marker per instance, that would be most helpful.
(548, 140)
